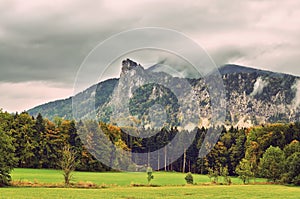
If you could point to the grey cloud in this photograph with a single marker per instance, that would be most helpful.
(48, 40)
(50, 48)
(225, 54)
(50, 43)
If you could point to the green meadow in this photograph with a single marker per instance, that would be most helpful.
(119, 185)
(111, 178)
(233, 191)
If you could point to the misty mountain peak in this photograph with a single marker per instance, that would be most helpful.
(129, 64)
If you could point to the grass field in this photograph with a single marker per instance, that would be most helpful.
(234, 191)
(121, 179)
(119, 186)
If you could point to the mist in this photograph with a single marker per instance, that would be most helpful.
(259, 86)
(296, 87)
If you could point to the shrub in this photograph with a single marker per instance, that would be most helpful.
(213, 175)
(225, 175)
(149, 174)
(296, 180)
(189, 178)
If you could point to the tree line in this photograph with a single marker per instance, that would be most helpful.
(271, 151)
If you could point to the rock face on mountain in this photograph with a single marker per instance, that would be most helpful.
(254, 98)
(151, 100)
(142, 96)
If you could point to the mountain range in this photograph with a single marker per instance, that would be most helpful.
(253, 97)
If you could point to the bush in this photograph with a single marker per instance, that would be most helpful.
(225, 175)
(285, 178)
(149, 174)
(189, 178)
(213, 175)
(296, 180)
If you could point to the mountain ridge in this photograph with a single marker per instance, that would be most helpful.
(253, 96)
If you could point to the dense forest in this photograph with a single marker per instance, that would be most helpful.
(271, 151)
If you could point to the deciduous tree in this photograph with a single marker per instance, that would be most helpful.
(7, 157)
(272, 163)
(68, 163)
(244, 170)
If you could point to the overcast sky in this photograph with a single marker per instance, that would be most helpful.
(43, 43)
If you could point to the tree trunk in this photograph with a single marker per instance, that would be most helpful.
(157, 160)
(148, 154)
(165, 158)
(184, 161)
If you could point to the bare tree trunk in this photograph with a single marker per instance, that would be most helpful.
(184, 161)
(165, 158)
(157, 160)
(148, 154)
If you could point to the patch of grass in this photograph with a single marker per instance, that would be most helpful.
(216, 192)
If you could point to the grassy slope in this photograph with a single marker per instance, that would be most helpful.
(122, 179)
(234, 191)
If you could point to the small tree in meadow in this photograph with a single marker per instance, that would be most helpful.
(189, 178)
(225, 175)
(149, 174)
(213, 175)
(68, 163)
(244, 170)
